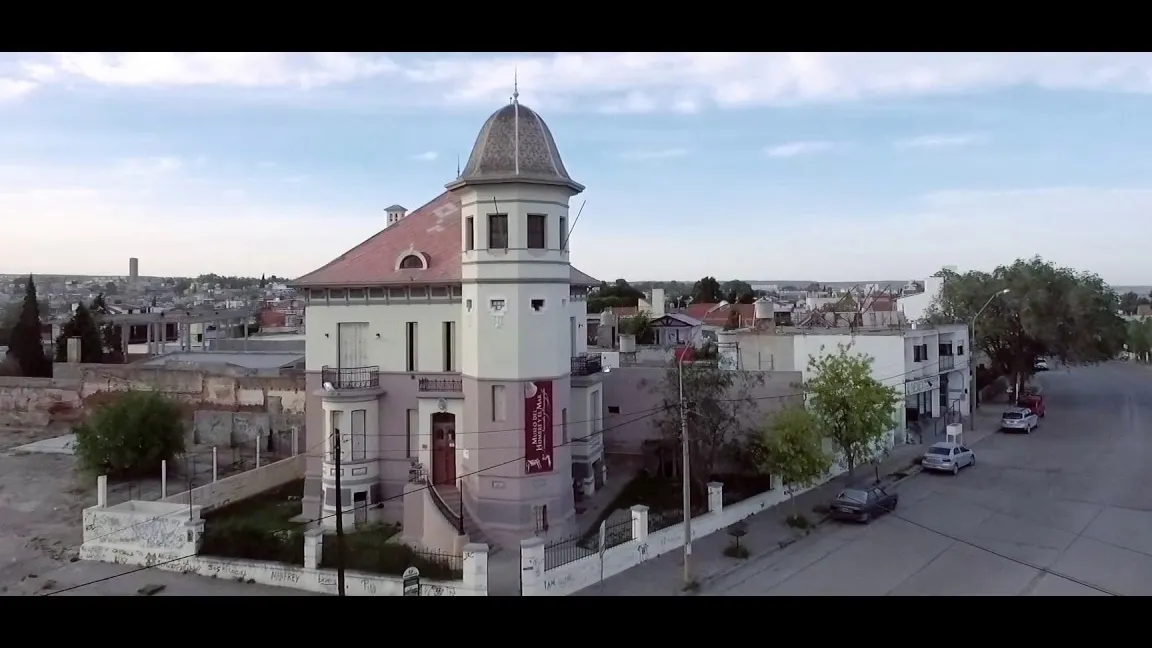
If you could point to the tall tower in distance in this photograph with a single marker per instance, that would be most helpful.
(133, 269)
(515, 334)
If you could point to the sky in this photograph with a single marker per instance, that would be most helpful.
(830, 167)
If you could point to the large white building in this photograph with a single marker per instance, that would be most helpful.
(930, 365)
(450, 346)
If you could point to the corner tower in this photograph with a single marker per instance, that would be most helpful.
(515, 337)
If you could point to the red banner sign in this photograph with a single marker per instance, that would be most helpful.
(538, 451)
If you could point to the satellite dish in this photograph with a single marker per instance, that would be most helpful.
(329, 388)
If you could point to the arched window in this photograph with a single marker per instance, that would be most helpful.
(411, 262)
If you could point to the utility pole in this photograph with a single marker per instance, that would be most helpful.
(336, 443)
(686, 475)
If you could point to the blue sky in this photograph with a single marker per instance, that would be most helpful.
(757, 166)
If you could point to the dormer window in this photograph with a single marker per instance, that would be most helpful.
(411, 262)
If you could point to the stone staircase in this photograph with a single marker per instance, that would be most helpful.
(451, 496)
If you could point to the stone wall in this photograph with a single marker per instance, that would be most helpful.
(37, 402)
(240, 486)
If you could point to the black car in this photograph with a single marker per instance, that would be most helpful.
(862, 503)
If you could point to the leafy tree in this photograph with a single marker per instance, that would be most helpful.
(109, 332)
(813, 287)
(110, 288)
(1140, 339)
(1047, 311)
(619, 294)
(721, 412)
(25, 343)
(707, 291)
(1128, 303)
(639, 325)
(131, 435)
(792, 448)
(84, 326)
(852, 408)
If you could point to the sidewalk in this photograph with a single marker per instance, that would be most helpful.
(767, 531)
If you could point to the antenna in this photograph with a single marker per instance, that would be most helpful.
(457, 164)
(495, 205)
(568, 234)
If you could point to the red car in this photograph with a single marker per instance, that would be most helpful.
(1034, 402)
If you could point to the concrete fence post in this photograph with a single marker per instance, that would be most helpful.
(102, 491)
(640, 523)
(476, 568)
(295, 442)
(715, 497)
(257, 450)
(163, 478)
(532, 567)
(215, 463)
(313, 548)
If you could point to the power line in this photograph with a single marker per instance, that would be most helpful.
(646, 414)
(425, 487)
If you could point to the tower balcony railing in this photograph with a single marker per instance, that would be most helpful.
(586, 365)
(440, 385)
(350, 378)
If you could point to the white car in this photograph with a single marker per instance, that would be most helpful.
(1019, 419)
(948, 457)
(1041, 365)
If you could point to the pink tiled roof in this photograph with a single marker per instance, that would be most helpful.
(433, 230)
(719, 317)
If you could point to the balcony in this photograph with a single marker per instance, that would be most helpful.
(440, 385)
(351, 378)
(947, 363)
(586, 365)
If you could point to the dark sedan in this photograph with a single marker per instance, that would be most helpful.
(862, 503)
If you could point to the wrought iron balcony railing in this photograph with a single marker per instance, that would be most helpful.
(586, 365)
(351, 377)
(440, 385)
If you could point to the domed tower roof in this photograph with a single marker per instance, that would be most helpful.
(515, 145)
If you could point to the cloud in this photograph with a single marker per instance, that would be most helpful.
(11, 89)
(426, 156)
(942, 141)
(621, 83)
(647, 156)
(795, 149)
(149, 166)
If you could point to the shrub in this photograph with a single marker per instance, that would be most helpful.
(798, 521)
(736, 550)
(131, 435)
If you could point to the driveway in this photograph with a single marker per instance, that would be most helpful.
(1065, 511)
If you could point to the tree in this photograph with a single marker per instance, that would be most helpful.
(1128, 303)
(792, 448)
(733, 321)
(25, 342)
(84, 326)
(109, 332)
(1140, 339)
(707, 291)
(131, 435)
(721, 412)
(852, 408)
(263, 281)
(1048, 311)
(812, 287)
(613, 295)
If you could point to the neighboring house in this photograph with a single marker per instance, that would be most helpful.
(675, 329)
(449, 347)
(915, 307)
(930, 364)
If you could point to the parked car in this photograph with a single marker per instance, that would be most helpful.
(1041, 365)
(948, 457)
(1019, 419)
(862, 503)
(1033, 403)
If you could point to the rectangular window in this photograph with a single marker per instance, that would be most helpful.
(497, 231)
(410, 346)
(449, 349)
(960, 350)
(597, 413)
(359, 434)
(498, 405)
(537, 231)
(563, 232)
(412, 440)
(335, 420)
(469, 233)
(916, 353)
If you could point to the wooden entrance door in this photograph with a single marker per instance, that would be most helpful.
(360, 507)
(443, 449)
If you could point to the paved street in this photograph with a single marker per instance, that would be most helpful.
(1065, 511)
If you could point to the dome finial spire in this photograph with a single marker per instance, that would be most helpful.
(515, 85)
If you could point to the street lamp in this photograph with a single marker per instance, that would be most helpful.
(971, 369)
(684, 450)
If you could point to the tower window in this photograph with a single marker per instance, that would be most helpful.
(537, 231)
(497, 231)
(469, 233)
(563, 233)
(537, 305)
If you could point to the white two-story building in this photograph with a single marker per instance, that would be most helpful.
(449, 348)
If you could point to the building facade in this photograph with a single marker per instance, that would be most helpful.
(451, 348)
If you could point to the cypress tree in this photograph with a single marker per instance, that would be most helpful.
(25, 344)
(82, 325)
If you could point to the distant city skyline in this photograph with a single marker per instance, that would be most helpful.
(740, 164)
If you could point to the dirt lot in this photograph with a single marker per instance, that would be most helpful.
(41, 499)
